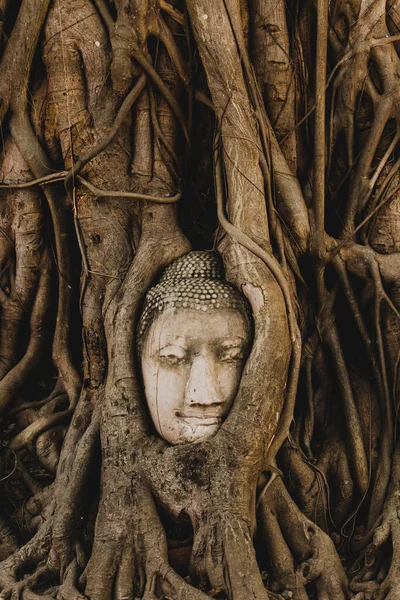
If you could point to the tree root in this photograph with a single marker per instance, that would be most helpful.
(223, 556)
(130, 554)
(30, 555)
(173, 586)
(53, 550)
(68, 590)
(24, 587)
(300, 552)
(76, 461)
(376, 582)
(8, 540)
(11, 383)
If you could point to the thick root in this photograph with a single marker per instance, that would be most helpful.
(116, 571)
(130, 555)
(368, 580)
(167, 584)
(111, 566)
(69, 589)
(8, 540)
(291, 540)
(375, 580)
(24, 587)
(223, 557)
(30, 555)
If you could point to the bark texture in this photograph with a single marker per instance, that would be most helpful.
(133, 131)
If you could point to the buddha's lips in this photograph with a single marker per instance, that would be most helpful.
(200, 420)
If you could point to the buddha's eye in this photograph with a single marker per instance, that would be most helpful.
(172, 355)
(171, 359)
(232, 354)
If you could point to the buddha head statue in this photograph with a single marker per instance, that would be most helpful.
(193, 338)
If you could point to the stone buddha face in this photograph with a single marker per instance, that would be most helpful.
(196, 336)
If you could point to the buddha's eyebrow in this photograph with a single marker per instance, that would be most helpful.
(173, 339)
(233, 343)
(173, 343)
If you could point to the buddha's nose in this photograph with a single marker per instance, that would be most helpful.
(201, 388)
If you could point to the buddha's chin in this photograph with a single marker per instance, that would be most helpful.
(192, 433)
